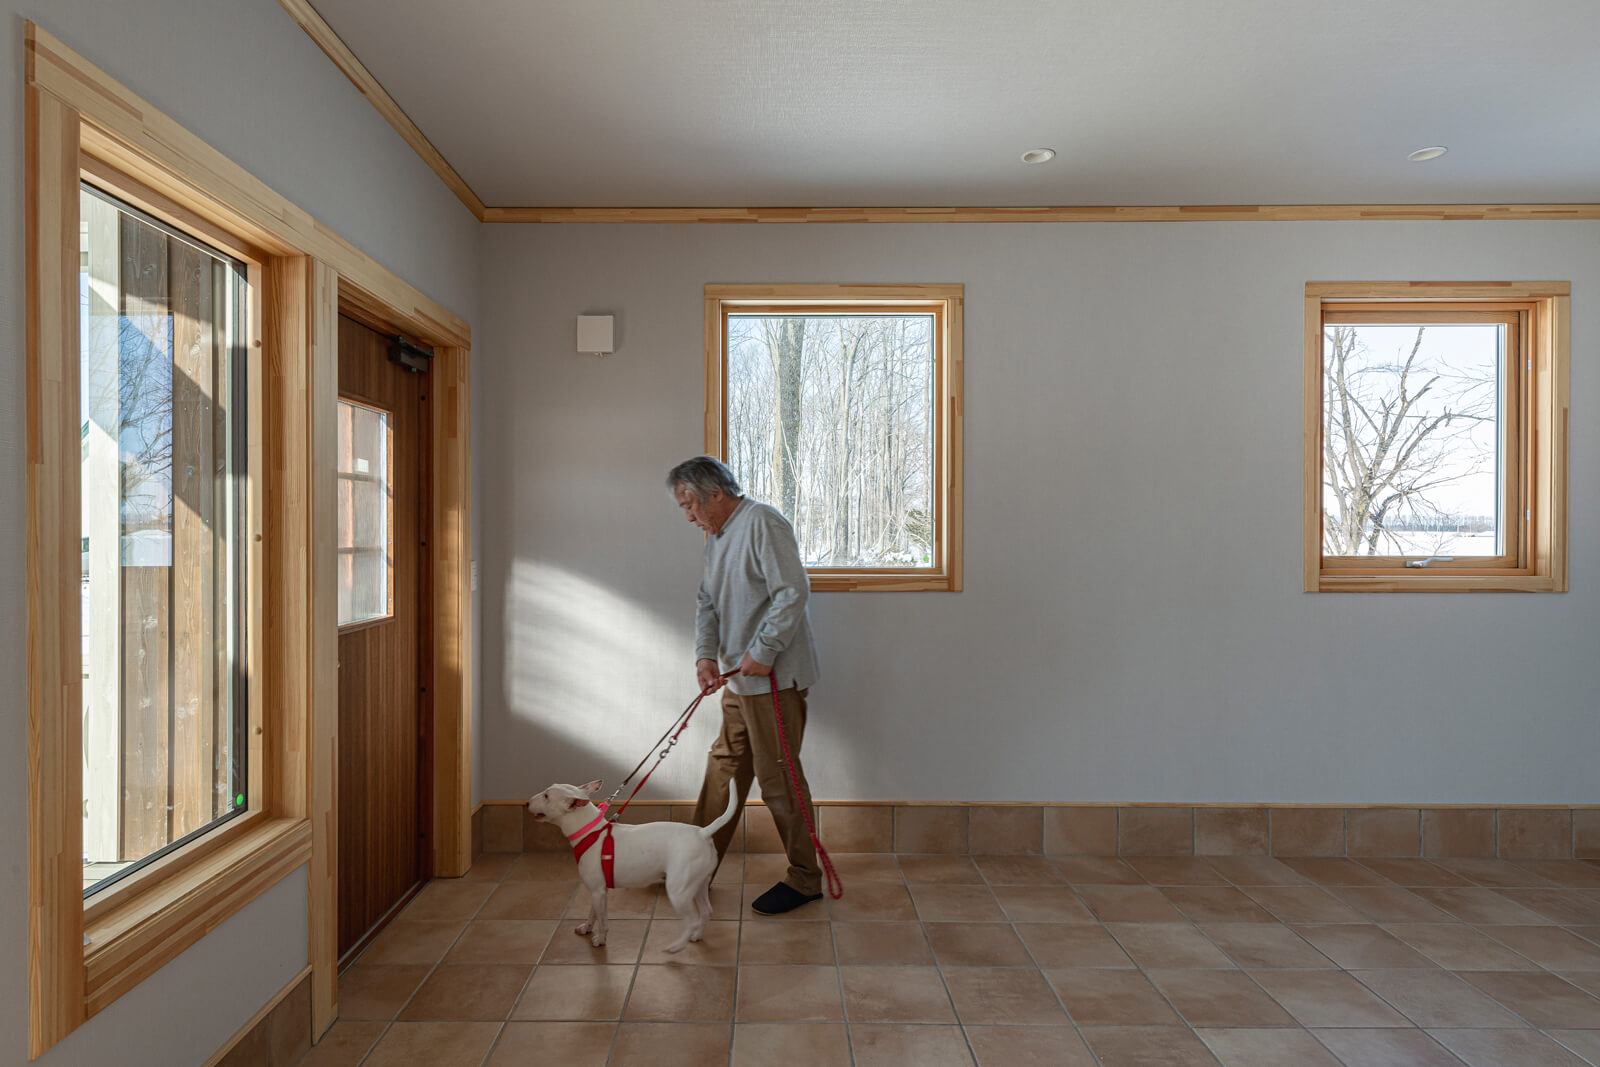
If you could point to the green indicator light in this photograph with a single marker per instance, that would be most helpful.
(238, 801)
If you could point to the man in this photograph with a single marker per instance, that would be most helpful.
(751, 618)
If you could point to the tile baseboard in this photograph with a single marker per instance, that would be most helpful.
(278, 1035)
(1521, 832)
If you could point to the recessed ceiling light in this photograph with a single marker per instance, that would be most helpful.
(1423, 154)
(1038, 155)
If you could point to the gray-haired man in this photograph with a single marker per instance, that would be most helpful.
(751, 617)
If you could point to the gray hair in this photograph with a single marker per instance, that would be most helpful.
(703, 476)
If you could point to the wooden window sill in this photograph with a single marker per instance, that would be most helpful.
(1436, 583)
(143, 926)
(880, 582)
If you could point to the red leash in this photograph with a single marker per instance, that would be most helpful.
(682, 724)
(608, 845)
(830, 876)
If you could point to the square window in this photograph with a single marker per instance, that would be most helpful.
(840, 407)
(1435, 437)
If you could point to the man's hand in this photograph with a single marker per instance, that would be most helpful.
(708, 675)
(749, 666)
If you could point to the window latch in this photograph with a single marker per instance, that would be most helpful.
(1430, 559)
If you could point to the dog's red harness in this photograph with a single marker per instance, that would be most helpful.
(584, 840)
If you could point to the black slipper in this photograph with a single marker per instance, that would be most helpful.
(781, 898)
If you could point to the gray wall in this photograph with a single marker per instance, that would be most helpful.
(1132, 627)
(244, 77)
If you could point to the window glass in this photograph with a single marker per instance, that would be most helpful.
(365, 501)
(830, 419)
(161, 405)
(1413, 460)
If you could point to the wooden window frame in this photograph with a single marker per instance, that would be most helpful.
(81, 125)
(945, 303)
(1534, 559)
(184, 608)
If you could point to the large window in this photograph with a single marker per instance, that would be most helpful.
(840, 407)
(161, 410)
(1439, 421)
(182, 390)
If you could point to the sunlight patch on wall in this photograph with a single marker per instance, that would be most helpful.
(593, 679)
(599, 678)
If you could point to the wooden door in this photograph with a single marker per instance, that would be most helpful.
(384, 747)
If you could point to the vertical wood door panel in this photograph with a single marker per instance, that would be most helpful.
(383, 758)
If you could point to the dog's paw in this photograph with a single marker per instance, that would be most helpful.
(583, 930)
(696, 936)
(675, 948)
(598, 940)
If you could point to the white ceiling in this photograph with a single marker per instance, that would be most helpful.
(818, 103)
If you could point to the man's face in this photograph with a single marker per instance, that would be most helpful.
(708, 514)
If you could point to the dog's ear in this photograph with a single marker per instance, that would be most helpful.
(592, 787)
(574, 803)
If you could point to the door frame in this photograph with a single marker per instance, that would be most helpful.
(448, 618)
(422, 848)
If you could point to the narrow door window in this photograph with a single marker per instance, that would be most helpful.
(366, 505)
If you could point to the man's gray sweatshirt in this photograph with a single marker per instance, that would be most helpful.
(753, 599)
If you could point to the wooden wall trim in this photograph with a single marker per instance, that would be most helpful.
(284, 681)
(1422, 292)
(128, 132)
(450, 550)
(55, 747)
(1185, 213)
(351, 67)
(1311, 449)
(952, 399)
(323, 651)
(300, 616)
(1552, 396)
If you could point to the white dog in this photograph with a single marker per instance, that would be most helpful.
(678, 854)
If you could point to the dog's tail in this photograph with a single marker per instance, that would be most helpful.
(722, 820)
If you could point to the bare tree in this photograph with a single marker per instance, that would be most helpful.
(1393, 433)
(787, 343)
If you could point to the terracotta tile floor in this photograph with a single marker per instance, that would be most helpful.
(932, 960)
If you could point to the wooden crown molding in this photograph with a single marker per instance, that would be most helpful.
(1196, 213)
(351, 67)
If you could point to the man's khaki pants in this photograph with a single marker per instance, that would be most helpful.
(748, 748)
